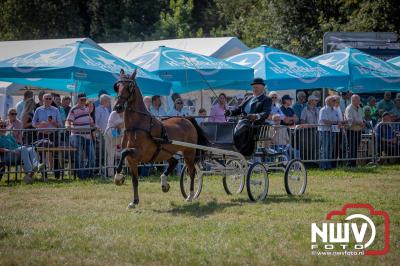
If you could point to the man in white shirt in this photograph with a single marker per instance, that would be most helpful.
(102, 112)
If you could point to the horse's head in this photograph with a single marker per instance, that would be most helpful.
(126, 89)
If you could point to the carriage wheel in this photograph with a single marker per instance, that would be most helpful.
(234, 177)
(257, 182)
(295, 178)
(185, 182)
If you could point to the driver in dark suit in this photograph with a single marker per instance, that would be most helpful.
(256, 107)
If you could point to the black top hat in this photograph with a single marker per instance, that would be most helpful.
(258, 81)
(286, 97)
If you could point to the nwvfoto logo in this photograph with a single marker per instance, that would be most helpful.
(338, 235)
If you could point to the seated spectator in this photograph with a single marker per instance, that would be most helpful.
(386, 104)
(217, 113)
(113, 138)
(102, 112)
(372, 105)
(290, 117)
(396, 109)
(147, 102)
(202, 116)
(29, 136)
(28, 94)
(300, 104)
(387, 135)
(281, 140)
(156, 107)
(14, 125)
(310, 113)
(12, 153)
(178, 109)
(79, 122)
(328, 120)
(171, 101)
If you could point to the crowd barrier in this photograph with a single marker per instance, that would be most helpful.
(87, 152)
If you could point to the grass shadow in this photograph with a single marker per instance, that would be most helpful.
(282, 198)
(198, 210)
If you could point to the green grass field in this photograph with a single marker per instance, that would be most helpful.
(76, 222)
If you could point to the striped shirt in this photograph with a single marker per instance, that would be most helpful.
(80, 118)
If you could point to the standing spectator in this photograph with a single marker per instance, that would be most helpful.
(202, 115)
(310, 113)
(28, 94)
(368, 119)
(353, 115)
(217, 113)
(275, 109)
(156, 107)
(178, 109)
(79, 122)
(40, 97)
(396, 109)
(97, 102)
(11, 152)
(48, 117)
(345, 101)
(147, 102)
(386, 104)
(113, 137)
(389, 142)
(290, 117)
(102, 113)
(66, 104)
(338, 107)
(328, 119)
(57, 102)
(372, 105)
(300, 104)
(27, 118)
(14, 125)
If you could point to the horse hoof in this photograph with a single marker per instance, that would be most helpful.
(131, 205)
(165, 188)
(119, 179)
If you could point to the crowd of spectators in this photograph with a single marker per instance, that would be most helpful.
(333, 121)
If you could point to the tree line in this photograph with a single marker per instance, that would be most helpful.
(295, 26)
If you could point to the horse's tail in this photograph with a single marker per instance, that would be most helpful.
(201, 138)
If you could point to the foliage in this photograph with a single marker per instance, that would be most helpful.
(295, 26)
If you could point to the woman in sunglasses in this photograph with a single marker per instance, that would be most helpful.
(14, 125)
(178, 109)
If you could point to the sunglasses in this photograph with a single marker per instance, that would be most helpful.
(12, 114)
(48, 99)
(3, 126)
(179, 103)
(274, 97)
(82, 99)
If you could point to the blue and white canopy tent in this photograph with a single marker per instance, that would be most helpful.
(367, 73)
(283, 71)
(394, 61)
(190, 71)
(76, 67)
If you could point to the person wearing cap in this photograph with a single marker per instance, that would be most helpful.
(256, 107)
(300, 104)
(178, 109)
(217, 113)
(97, 103)
(386, 104)
(156, 107)
(387, 136)
(290, 117)
(354, 117)
(396, 109)
(310, 113)
(79, 122)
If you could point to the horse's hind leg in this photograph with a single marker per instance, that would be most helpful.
(172, 162)
(189, 157)
(133, 165)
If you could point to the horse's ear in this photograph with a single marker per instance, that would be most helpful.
(122, 72)
(133, 76)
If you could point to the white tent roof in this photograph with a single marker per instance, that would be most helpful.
(221, 47)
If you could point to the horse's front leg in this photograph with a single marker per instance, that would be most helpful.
(133, 165)
(172, 162)
(118, 177)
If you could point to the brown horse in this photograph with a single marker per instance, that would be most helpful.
(146, 139)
